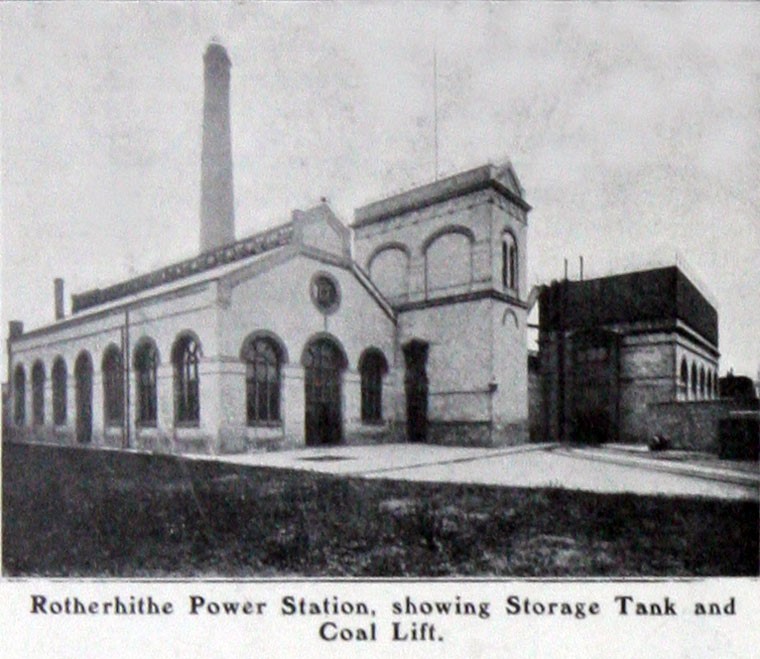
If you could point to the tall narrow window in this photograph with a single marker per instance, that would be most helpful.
(684, 384)
(113, 387)
(372, 367)
(19, 396)
(509, 261)
(694, 380)
(59, 391)
(146, 366)
(185, 355)
(38, 393)
(702, 382)
(709, 384)
(83, 395)
(262, 381)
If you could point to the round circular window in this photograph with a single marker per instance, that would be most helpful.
(325, 292)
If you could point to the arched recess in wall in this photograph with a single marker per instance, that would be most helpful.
(19, 395)
(38, 393)
(509, 319)
(59, 377)
(83, 378)
(702, 382)
(694, 379)
(388, 267)
(448, 257)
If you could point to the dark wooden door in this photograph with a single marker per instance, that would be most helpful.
(595, 388)
(324, 365)
(416, 389)
(83, 375)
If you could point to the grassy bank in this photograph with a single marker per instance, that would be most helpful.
(77, 512)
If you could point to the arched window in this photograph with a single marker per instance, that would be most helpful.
(113, 387)
(59, 391)
(146, 366)
(684, 377)
(694, 380)
(19, 395)
(262, 381)
(38, 393)
(509, 261)
(372, 367)
(702, 382)
(185, 355)
(83, 397)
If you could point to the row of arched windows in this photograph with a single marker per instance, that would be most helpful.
(262, 355)
(448, 261)
(698, 383)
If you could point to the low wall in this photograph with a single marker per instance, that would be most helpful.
(691, 425)
(476, 433)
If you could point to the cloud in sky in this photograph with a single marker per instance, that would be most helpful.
(634, 129)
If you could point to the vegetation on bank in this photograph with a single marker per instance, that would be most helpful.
(70, 512)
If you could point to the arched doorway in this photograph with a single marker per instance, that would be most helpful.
(416, 389)
(324, 363)
(83, 376)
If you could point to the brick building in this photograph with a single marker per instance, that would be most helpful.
(410, 323)
(628, 356)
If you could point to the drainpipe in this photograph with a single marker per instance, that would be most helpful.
(125, 357)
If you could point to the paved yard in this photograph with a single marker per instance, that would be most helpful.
(598, 469)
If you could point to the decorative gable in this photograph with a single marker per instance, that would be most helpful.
(320, 229)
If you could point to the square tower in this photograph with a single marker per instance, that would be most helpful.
(450, 258)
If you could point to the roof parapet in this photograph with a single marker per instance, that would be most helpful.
(501, 178)
(256, 244)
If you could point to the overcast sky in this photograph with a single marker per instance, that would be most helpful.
(633, 128)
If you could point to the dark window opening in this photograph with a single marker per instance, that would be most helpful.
(185, 357)
(19, 393)
(59, 392)
(372, 367)
(509, 261)
(113, 387)
(146, 366)
(262, 382)
(38, 394)
(702, 382)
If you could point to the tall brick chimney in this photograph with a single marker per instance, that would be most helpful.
(58, 292)
(15, 329)
(217, 202)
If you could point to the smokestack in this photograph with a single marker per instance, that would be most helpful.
(58, 288)
(15, 329)
(217, 204)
